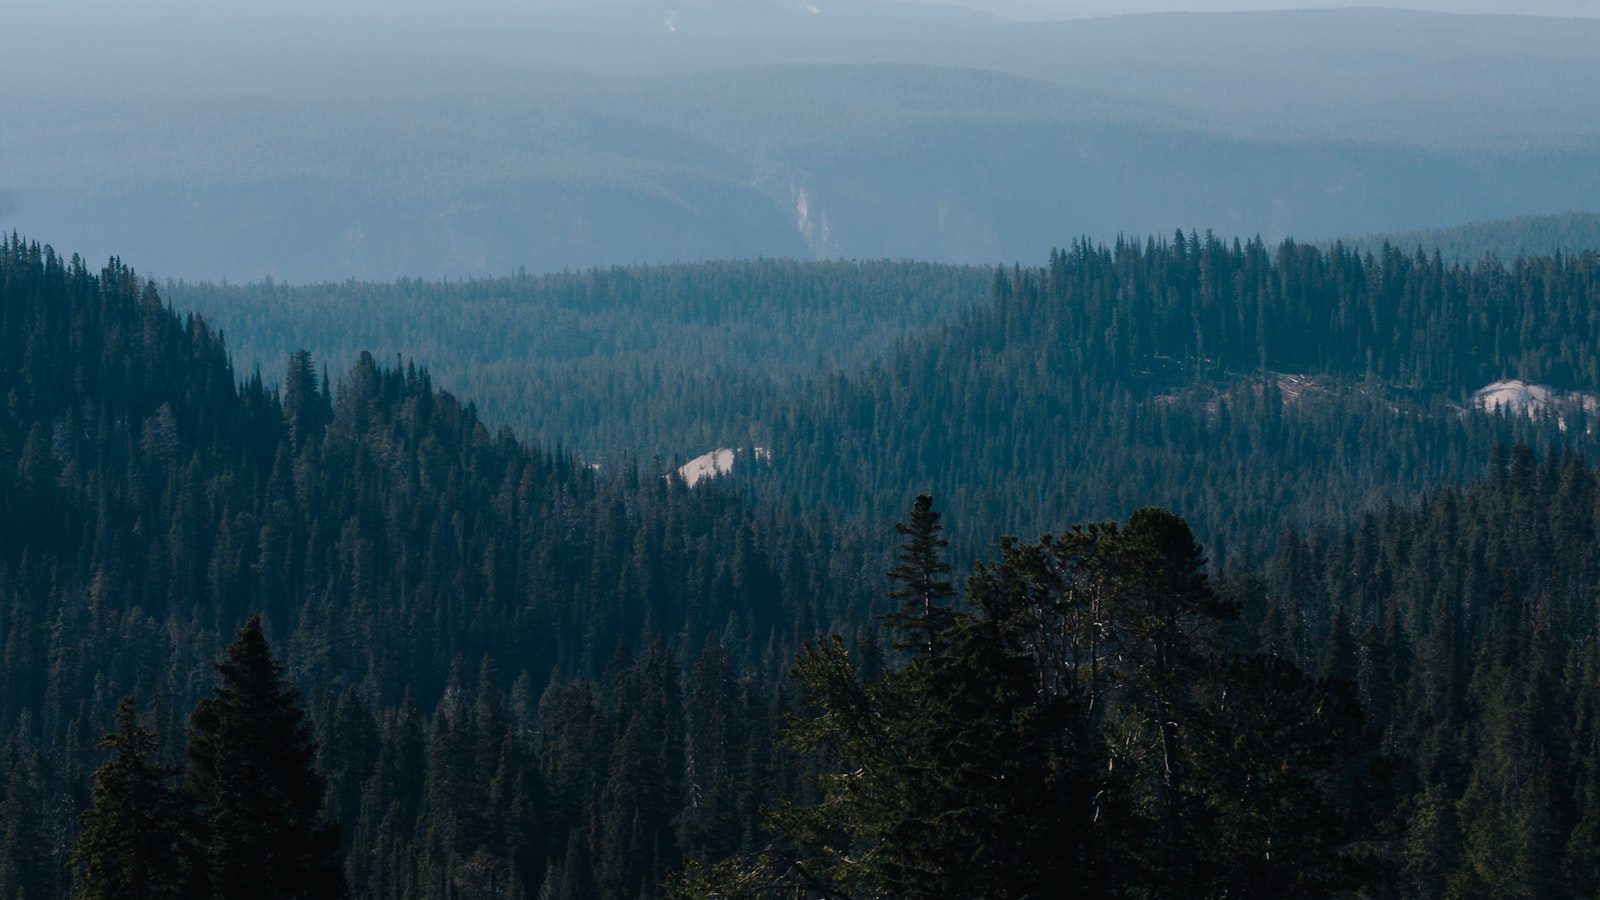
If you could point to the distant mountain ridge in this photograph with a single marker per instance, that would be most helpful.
(476, 147)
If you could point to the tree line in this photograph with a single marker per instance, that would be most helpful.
(246, 821)
(615, 364)
(1187, 371)
(1246, 385)
(521, 676)
(432, 584)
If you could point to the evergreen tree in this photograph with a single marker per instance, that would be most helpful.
(134, 842)
(154, 498)
(257, 796)
(1082, 731)
(921, 583)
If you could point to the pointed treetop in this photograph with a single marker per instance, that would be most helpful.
(921, 581)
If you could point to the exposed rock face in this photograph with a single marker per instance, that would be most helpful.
(1531, 400)
(718, 462)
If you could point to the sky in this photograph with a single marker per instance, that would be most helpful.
(1024, 9)
(1084, 8)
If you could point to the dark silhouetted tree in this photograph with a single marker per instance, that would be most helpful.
(134, 843)
(256, 794)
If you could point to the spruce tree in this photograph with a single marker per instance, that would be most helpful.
(251, 778)
(922, 584)
(133, 845)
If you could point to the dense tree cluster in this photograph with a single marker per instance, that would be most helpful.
(1469, 624)
(1244, 385)
(1569, 232)
(1175, 371)
(394, 544)
(1084, 730)
(611, 363)
(247, 823)
(521, 675)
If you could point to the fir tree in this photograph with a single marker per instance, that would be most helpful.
(921, 583)
(255, 790)
(134, 843)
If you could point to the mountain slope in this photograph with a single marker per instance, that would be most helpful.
(393, 544)
(637, 362)
(1243, 386)
(1569, 233)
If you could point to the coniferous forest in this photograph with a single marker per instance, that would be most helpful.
(1285, 613)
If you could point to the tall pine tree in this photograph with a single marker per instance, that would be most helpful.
(256, 794)
(922, 583)
(134, 844)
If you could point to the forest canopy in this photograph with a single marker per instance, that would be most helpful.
(495, 670)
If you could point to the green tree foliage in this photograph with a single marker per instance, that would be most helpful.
(27, 866)
(1248, 385)
(1081, 730)
(1545, 235)
(1102, 709)
(701, 351)
(257, 797)
(1473, 618)
(922, 587)
(1191, 366)
(385, 532)
(135, 837)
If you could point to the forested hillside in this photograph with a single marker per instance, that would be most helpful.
(1189, 371)
(1468, 623)
(799, 450)
(615, 363)
(483, 668)
(1247, 386)
(431, 586)
(1570, 233)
